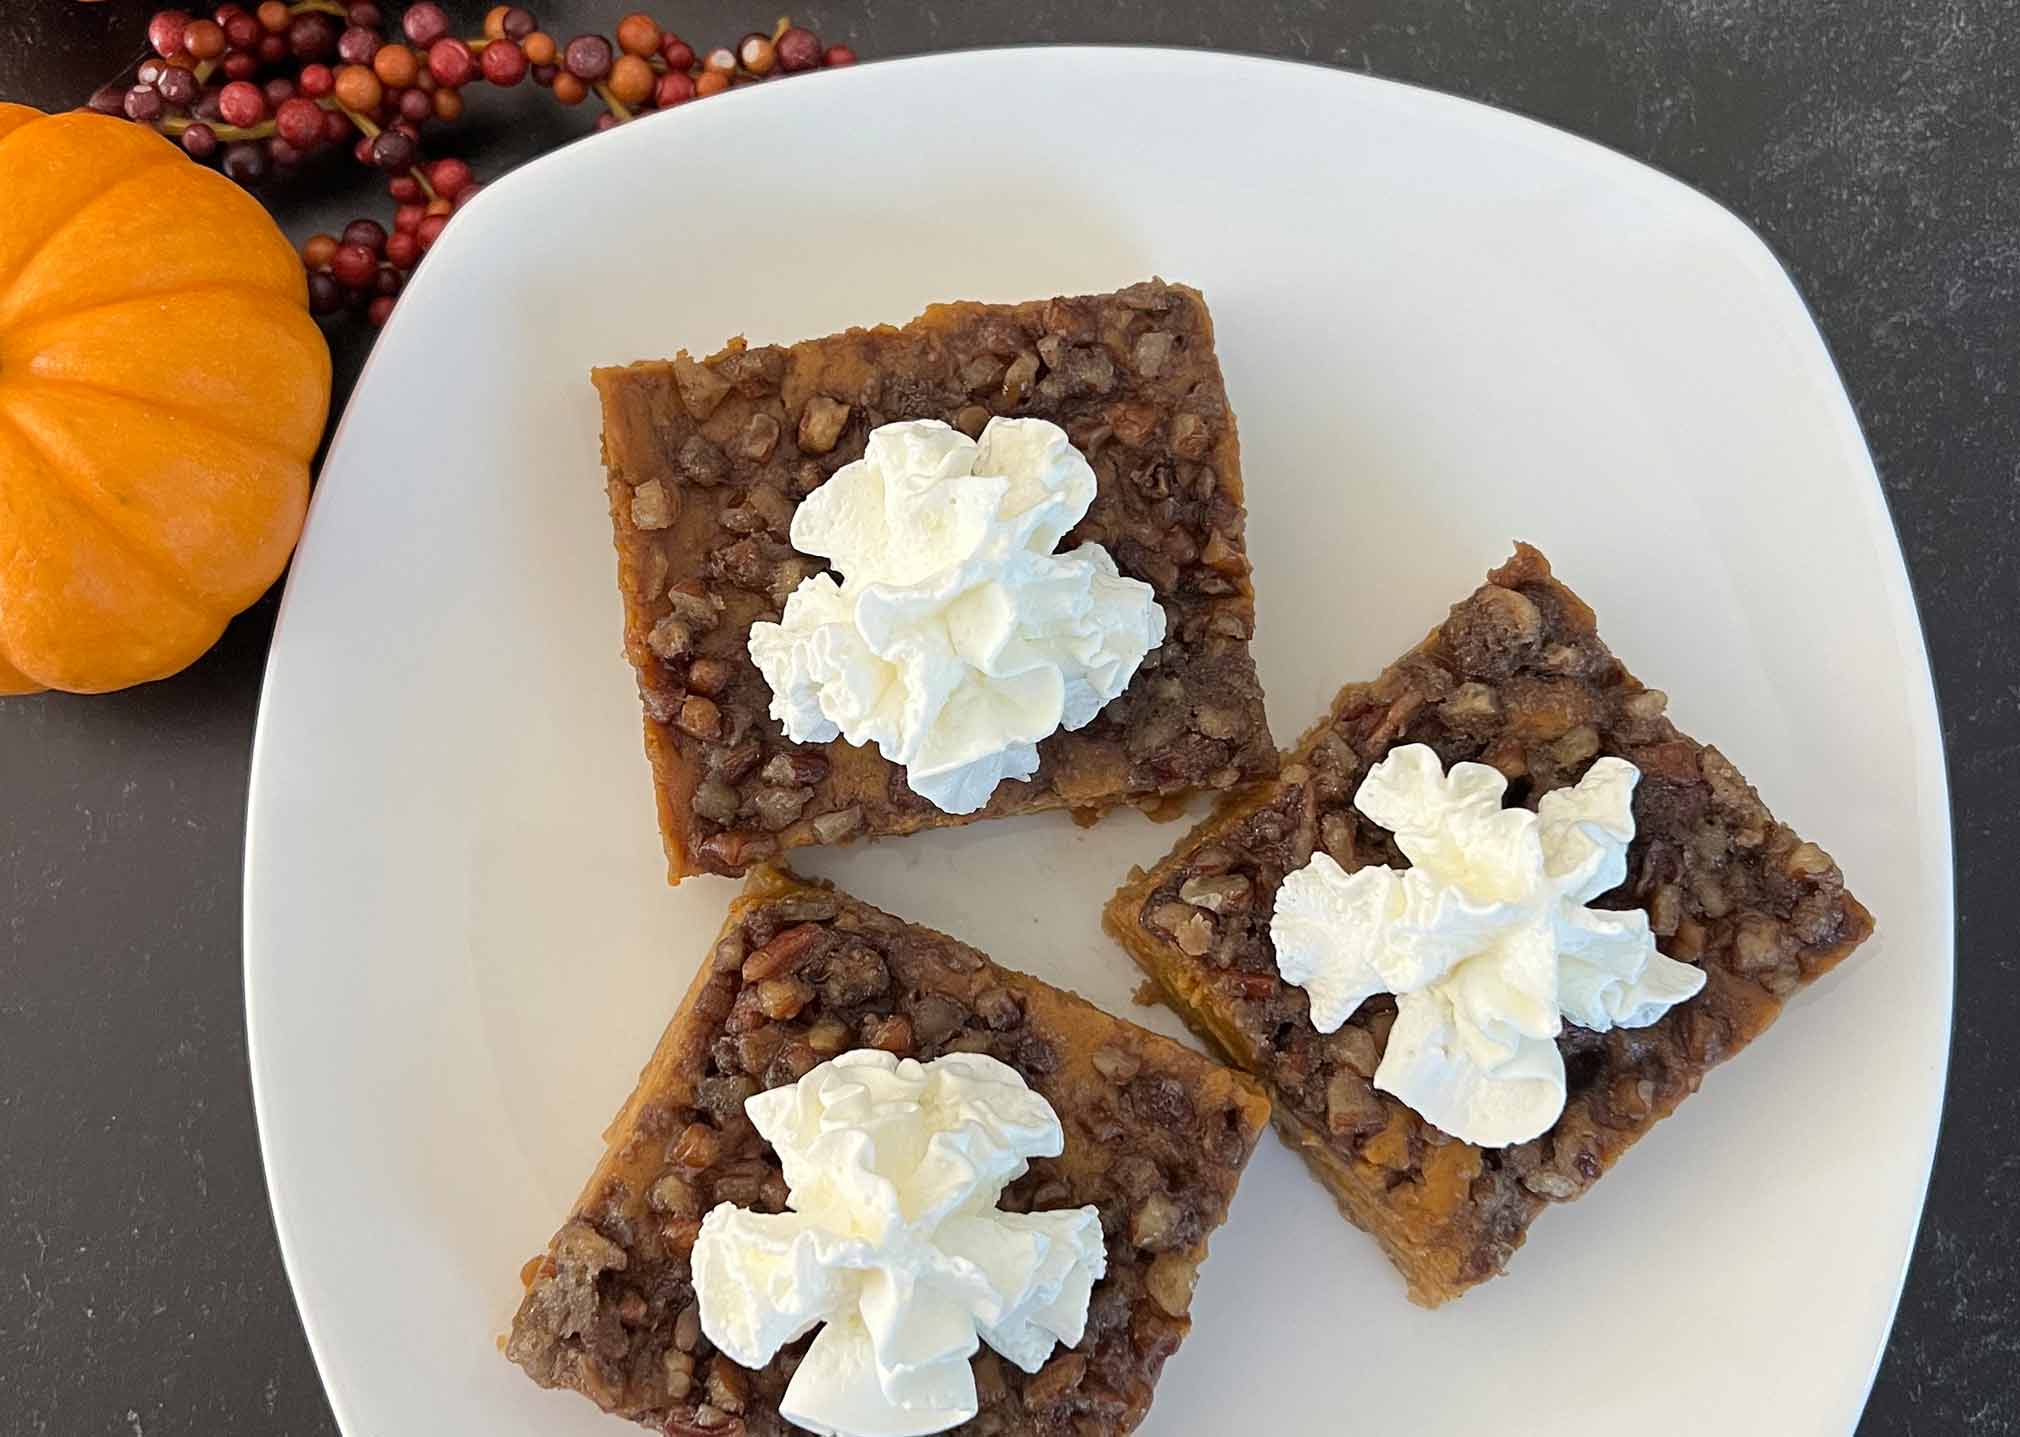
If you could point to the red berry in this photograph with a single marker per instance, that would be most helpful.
(299, 122)
(465, 195)
(605, 121)
(245, 161)
(336, 127)
(405, 189)
(357, 45)
(241, 31)
(284, 155)
(449, 177)
(451, 63)
(503, 62)
(178, 87)
(416, 105)
(311, 36)
(379, 310)
(362, 151)
(203, 39)
(519, 23)
(366, 14)
(108, 99)
(273, 50)
(369, 233)
(406, 217)
(425, 23)
(225, 11)
(204, 109)
(354, 266)
(798, 48)
(587, 58)
(316, 81)
(394, 150)
(674, 88)
(200, 140)
(839, 55)
(242, 104)
(326, 296)
(678, 54)
(240, 66)
(143, 103)
(386, 281)
(165, 32)
(430, 230)
(278, 90)
(402, 248)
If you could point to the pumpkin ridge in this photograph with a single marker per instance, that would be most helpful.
(213, 286)
(27, 260)
(161, 566)
(191, 414)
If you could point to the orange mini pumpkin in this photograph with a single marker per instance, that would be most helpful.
(162, 390)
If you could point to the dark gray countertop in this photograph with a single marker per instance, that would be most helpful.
(1872, 142)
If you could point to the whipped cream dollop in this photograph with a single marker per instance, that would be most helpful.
(894, 1242)
(1485, 941)
(957, 639)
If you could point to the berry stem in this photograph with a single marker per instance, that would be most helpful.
(173, 125)
(616, 106)
(365, 125)
(323, 7)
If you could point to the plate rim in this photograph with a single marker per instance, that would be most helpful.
(1925, 707)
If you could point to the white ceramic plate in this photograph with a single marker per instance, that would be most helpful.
(1442, 327)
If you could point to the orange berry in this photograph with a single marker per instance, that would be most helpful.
(396, 65)
(494, 22)
(569, 90)
(638, 34)
(448, 104)
(631, 80)
(757, 53)
(712, 82)
(319, 250)
(439, 206)
(273, 16)
(539, 48)
(358, 88)
(720, 61)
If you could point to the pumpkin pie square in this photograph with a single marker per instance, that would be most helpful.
(708, 459)
(1516, 677)
(1156, 1137)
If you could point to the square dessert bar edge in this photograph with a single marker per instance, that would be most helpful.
(708, 460)
(1518, 678)
(1156, 1138)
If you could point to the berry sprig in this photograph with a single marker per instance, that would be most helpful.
(258, 91)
